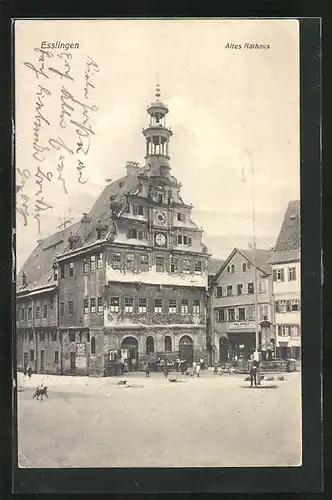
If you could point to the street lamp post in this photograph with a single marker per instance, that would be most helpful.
(254, 256)
(254, 248)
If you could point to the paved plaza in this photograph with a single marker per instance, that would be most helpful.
(213, 421)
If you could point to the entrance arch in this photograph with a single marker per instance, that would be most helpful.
(130, 344)
(186, 349)
(223, 349)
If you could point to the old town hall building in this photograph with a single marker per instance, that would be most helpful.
(128, 280)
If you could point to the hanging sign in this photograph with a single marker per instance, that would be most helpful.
(241, 325)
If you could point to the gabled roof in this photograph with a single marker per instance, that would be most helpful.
(214, 265)
(262, 260)
(286, 256)
(290, 232)
(38, 267)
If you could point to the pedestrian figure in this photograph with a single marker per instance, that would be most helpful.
(133, 361)
(198, 369)
(25, 371)
(257, 359)
(166, 371)
(147, 370)
(29, 371)
(215, 370)
(253, 367)
(194, 366)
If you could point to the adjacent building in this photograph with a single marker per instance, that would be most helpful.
(232, 303)
(129, 280)
(286, 267)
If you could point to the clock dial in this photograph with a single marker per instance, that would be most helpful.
(160, 239)
(160, 218)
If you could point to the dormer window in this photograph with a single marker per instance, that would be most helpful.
(244, 267)
(228, 269)
(232, 268)
(24, 279)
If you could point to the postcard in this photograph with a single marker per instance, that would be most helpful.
(158, 286)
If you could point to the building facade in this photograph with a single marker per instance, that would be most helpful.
(232, 304)
(286, 266)
(128, 281)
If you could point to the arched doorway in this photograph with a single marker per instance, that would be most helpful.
(223, 349)
(168, 344)
(129, 348)
(186, 349)
(149, 345)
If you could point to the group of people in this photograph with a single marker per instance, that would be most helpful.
(179, 365)
(27, 371)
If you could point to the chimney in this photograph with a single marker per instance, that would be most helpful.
(132, 167)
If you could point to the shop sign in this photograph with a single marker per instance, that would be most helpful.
(81, 349)
(241, 325)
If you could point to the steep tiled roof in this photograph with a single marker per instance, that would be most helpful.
(290, 237)
(286, 256)
(38, 267)
(214, 265)
(262, 258)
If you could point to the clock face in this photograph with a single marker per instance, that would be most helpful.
(160, 218)
(160, 239)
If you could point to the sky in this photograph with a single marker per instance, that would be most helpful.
(228, 109)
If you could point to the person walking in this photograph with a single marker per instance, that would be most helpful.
(29, 371)
(215, 369)
(166, 370)
(198, 369)
(133, 364)
(194, 366)
(147, 370)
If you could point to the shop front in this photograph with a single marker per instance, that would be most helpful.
(241, 339)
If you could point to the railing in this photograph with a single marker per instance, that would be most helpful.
(276, 365)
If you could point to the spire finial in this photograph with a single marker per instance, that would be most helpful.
(158, 91)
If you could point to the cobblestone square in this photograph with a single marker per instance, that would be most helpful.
(212, 421)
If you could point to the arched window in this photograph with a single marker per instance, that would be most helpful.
(228, 269)
(93, 345)
(244, 267)
(233, 268)
(149, 345)
(168, 344)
